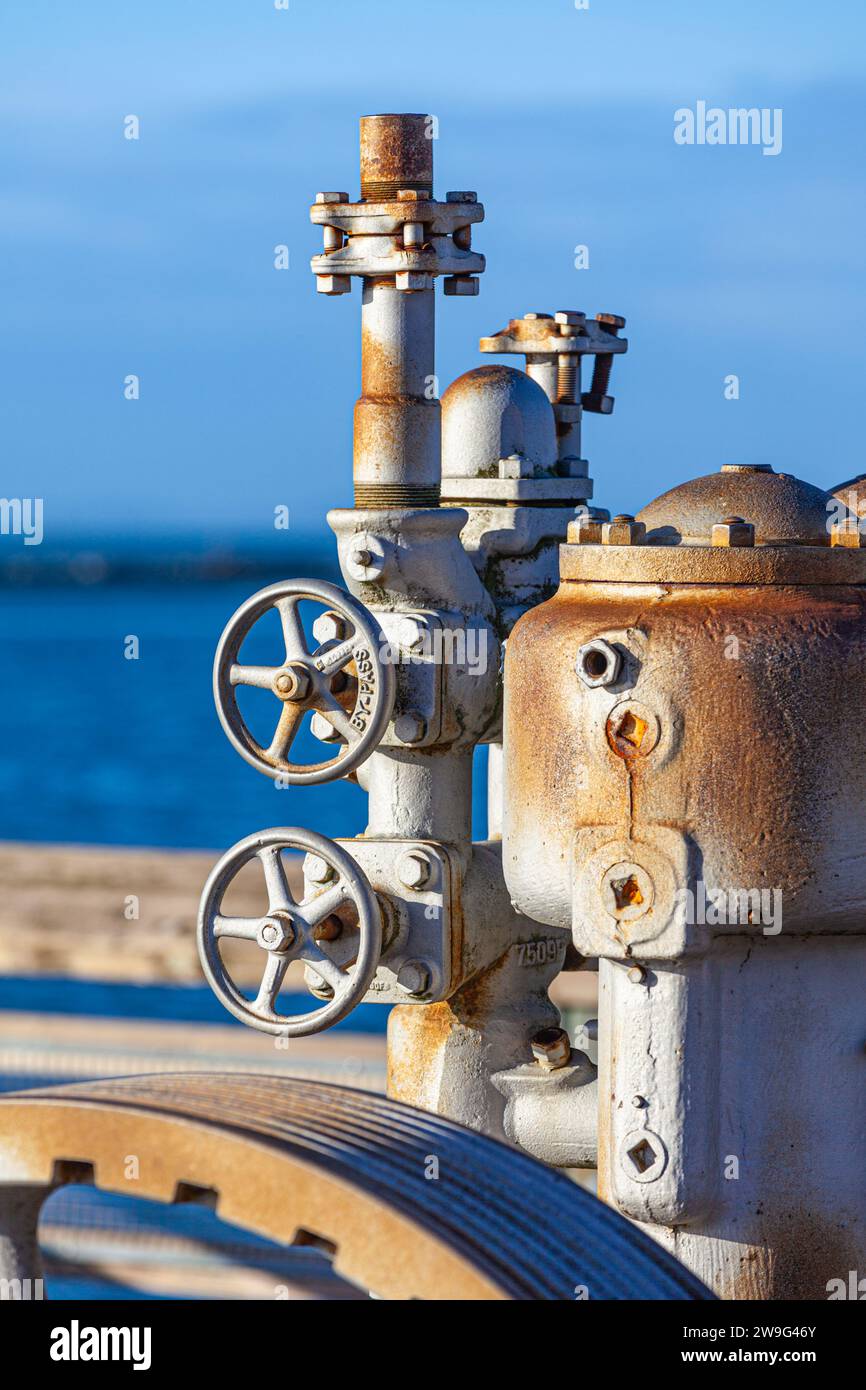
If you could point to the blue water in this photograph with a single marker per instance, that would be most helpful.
(45, 994)
(97, 749)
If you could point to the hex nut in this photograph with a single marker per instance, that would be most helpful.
(413, 977)
(516, 466)
(623, 530)
(637, 974)
(413, 280)
(460, 284)
(410, 632)
(332, 197)
(569, 318)
(598, 663)
(612, 322)
(414, 869)
(323, 729)
(329, 627)
(333, 284)
(317, 869)
(292, 683)
(572, 467)
(584, 530)
(733, 531)
(276, 932)
(551, 1048)
(410, 728)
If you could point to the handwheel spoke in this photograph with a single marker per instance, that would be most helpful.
(329, 971)
(240, 928)
(331, 709)
(272, 979)
(290, 721)
(261, 677)
(336, 658)
(325, 904)
(275, 878)
(293, 629)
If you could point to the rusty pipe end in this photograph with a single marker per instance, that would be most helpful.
(396, 152)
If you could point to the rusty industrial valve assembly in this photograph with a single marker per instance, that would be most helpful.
(676, 774)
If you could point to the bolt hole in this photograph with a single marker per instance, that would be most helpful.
(632, 729)
(192, 1194)
(643, 1156)
(312, 1240)
(72, 1170)
(626, 892)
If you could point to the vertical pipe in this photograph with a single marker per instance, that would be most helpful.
(397, 418)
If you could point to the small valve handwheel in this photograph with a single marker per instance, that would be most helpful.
(337, 933)
(343, 682)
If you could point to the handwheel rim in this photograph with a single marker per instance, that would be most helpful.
(359, 891)
(235, 632)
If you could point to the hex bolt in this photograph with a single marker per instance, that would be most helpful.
(317, 985)
(321, 729)
(596, 400)
(366, 558)
(332, 239)
(413, 977)
(551, 1048)
(414, 869)
(568, 378)
(364, 563)
(413, 235)
(598, 663)
(293, 684)
(410, 633)
(623, 530)
(329, 627)
(733, 531)
(270, 934)
(637, 974)
(410, 728)
(584, 530)
(317, 869)
(332, 197)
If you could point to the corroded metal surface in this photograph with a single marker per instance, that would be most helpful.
(308, 1163)
(697, 821)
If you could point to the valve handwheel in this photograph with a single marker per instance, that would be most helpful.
(344, 956)
(343, 680)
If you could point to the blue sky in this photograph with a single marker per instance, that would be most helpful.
(155, 257)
